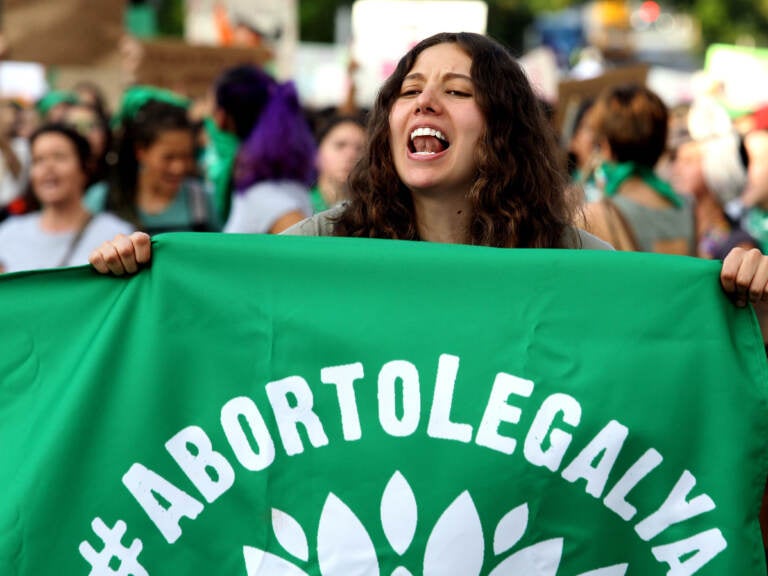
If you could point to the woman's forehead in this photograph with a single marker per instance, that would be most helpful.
(446, 58)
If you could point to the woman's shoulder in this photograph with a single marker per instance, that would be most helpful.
(578, 239)
(321, 224)
(27, 221)
(280, 195)
(279, 187)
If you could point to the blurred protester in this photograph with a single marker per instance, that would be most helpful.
(583, 157)
(61, 231)
(91, 122)
(274, 165)
(54, 103)
(713, 172)
(29, 121)
(340, 143)
(218, 150)
(638, 210)
(91, 94)
(153, 184)
(14, 160)
(755, 195)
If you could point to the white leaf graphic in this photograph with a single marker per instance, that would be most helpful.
(456, 545)
(616, 570)
(400, 571)
(343, 545)
(290, 534)
(510, 529)
(261, 563)
(399, 513)
(542, 559)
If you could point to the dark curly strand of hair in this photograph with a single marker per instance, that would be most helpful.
(518, 198)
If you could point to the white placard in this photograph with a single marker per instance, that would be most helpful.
(384, 30)
(23, 80)
(321, 74)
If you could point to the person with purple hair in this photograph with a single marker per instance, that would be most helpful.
(274, 166)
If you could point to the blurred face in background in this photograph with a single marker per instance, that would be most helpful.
(85, 120)
(339, 152)
(166, 162)
(56, 174)
(583, 144)
(686, 175)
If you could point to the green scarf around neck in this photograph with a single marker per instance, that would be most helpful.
(617, 173)
(218, 160)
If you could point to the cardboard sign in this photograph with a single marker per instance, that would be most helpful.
(64, 32)
(271, 25)
(186, 69)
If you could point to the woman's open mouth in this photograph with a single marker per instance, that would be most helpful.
(427, 142)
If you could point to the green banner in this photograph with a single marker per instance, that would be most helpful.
(254, 405)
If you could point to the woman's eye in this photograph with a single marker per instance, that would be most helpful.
(460, 93)
(409, 92)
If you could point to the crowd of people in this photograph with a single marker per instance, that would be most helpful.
(457, 148)
(255, 161)
(452, 157)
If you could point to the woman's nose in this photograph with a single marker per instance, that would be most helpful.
(427, 101)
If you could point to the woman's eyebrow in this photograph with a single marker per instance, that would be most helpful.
(457, 76)
(447, 76)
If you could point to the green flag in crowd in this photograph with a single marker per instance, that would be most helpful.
(255, 405)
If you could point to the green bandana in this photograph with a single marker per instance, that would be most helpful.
(54, 98)
(617, 173)
(318, 202)
(136, 96)
(218, 160)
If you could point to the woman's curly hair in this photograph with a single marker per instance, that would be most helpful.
(518, 199)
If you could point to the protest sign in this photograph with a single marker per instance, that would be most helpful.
(187, 69)
(64, 32)
(277, 405)
(739, 75)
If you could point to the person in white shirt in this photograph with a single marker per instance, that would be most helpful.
(61, 232)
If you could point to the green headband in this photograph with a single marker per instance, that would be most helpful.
(136, 96)
(54, 98)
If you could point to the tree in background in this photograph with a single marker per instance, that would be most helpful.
(170, 17)
(726, 21)
(161, 17)
(731, 21)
